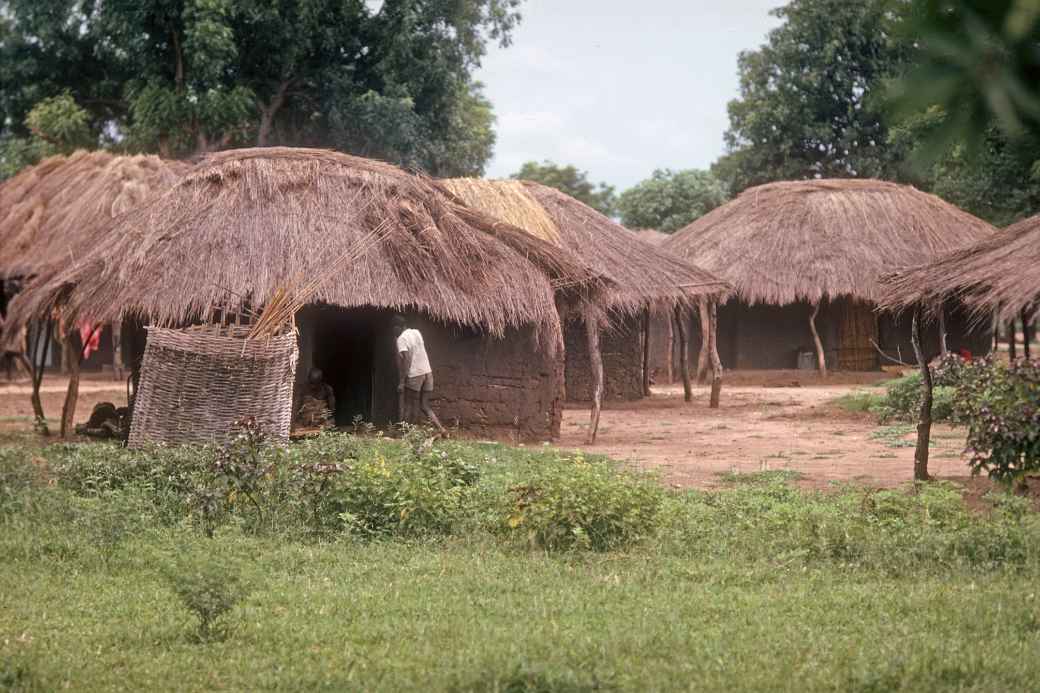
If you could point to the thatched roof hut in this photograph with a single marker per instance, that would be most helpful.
(244, 223)
(998, 274)
(804, 243)
(51, 212)
(641, 275)
(652, 236)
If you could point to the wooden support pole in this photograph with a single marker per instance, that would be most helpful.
(596, 362)
(117, 350)
(1012, 349)
(924, 420)
(713, 352)
(684, 353)
(821, 359)
(68, 412)
(943, 348)
(1026, 333)
(704, 357)
(646, 351)
(38, 361)
(670, 363)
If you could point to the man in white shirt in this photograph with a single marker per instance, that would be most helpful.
(415, 377)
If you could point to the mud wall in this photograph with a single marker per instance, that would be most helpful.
(622, 351)
(507, 389)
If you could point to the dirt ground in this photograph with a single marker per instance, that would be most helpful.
(768, 420)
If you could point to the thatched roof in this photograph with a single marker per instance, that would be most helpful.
(245, 223)
(1002, 273)
(806, 240)
(51, 211)
(641, 273)
(652, 236)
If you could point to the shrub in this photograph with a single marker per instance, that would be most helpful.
(209, 588)
(572, 503)
(902, 401)
(1001, 404)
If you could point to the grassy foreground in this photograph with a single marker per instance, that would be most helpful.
(759, 587)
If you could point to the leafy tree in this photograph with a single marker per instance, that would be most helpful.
(570, 180)
(808, 103)
(391, 79)
(669, 200)
(57, 125)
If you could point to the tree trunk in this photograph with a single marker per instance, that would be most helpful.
(1011, 341)
(68, 411)
(821, 360)
(646, 352)
(713, 352)
(596, 362)
(704, 357)
(38, 360)
(924, 421)
(684, 353)
(268, 112)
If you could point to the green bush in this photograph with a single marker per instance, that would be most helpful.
(209, 587)
(902, 401)
(572, 503)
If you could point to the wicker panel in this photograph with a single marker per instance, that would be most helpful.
(196, 383)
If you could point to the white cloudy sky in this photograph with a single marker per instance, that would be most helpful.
(617, 87)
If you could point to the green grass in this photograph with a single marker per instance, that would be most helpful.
(859, 401)
(759, 587)
(895, 436)
(767, 476)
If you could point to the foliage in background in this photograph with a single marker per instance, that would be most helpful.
(669, 200)
(570, 180)
(185, 77)
(56, 125)
(808, 104)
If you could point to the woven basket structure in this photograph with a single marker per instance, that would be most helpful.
(196, 382)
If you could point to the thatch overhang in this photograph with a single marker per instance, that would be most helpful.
(807, 240)
(652, 236)
(243, 224)
(999, 275)
(641, 274)
(51, 212)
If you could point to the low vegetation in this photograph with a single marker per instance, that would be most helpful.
(364, 563)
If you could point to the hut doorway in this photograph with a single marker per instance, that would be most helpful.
(857, 335)
(346, 347)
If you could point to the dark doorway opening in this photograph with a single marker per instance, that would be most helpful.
(349, 349)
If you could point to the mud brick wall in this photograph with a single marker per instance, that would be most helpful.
(622, 350)
(663, 343)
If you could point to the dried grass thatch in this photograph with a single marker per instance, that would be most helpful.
(652, 236)
(243, 224)
(1001, 274)
(641, 274)
(806, 240)
(50, 213)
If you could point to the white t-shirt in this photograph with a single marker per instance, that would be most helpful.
(412, 341)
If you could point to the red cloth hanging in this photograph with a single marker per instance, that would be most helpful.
(90, 335)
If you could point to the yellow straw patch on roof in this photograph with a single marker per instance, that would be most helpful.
(508, 201)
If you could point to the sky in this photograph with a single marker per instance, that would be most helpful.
(619, 88)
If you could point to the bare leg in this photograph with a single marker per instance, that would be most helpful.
(424, 405)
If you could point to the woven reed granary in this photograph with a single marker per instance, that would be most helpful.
(646, 281)
(807, 256)
(243, 225)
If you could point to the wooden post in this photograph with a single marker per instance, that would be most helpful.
(38, 361)
(117, 350)
(670, 363)
(684, 354)
(1026, 333)
(713, 352)
(821, 360)
(924, 421)
(68, 411)
(646, 351)
(943, 349)
(596, 362)
(704, 357)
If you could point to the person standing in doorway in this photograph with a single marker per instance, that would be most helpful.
(415, 376)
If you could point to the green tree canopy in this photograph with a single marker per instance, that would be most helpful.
(808, 102)
(57, 125)
(391, 79)
(570, 180)
(669, 200)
